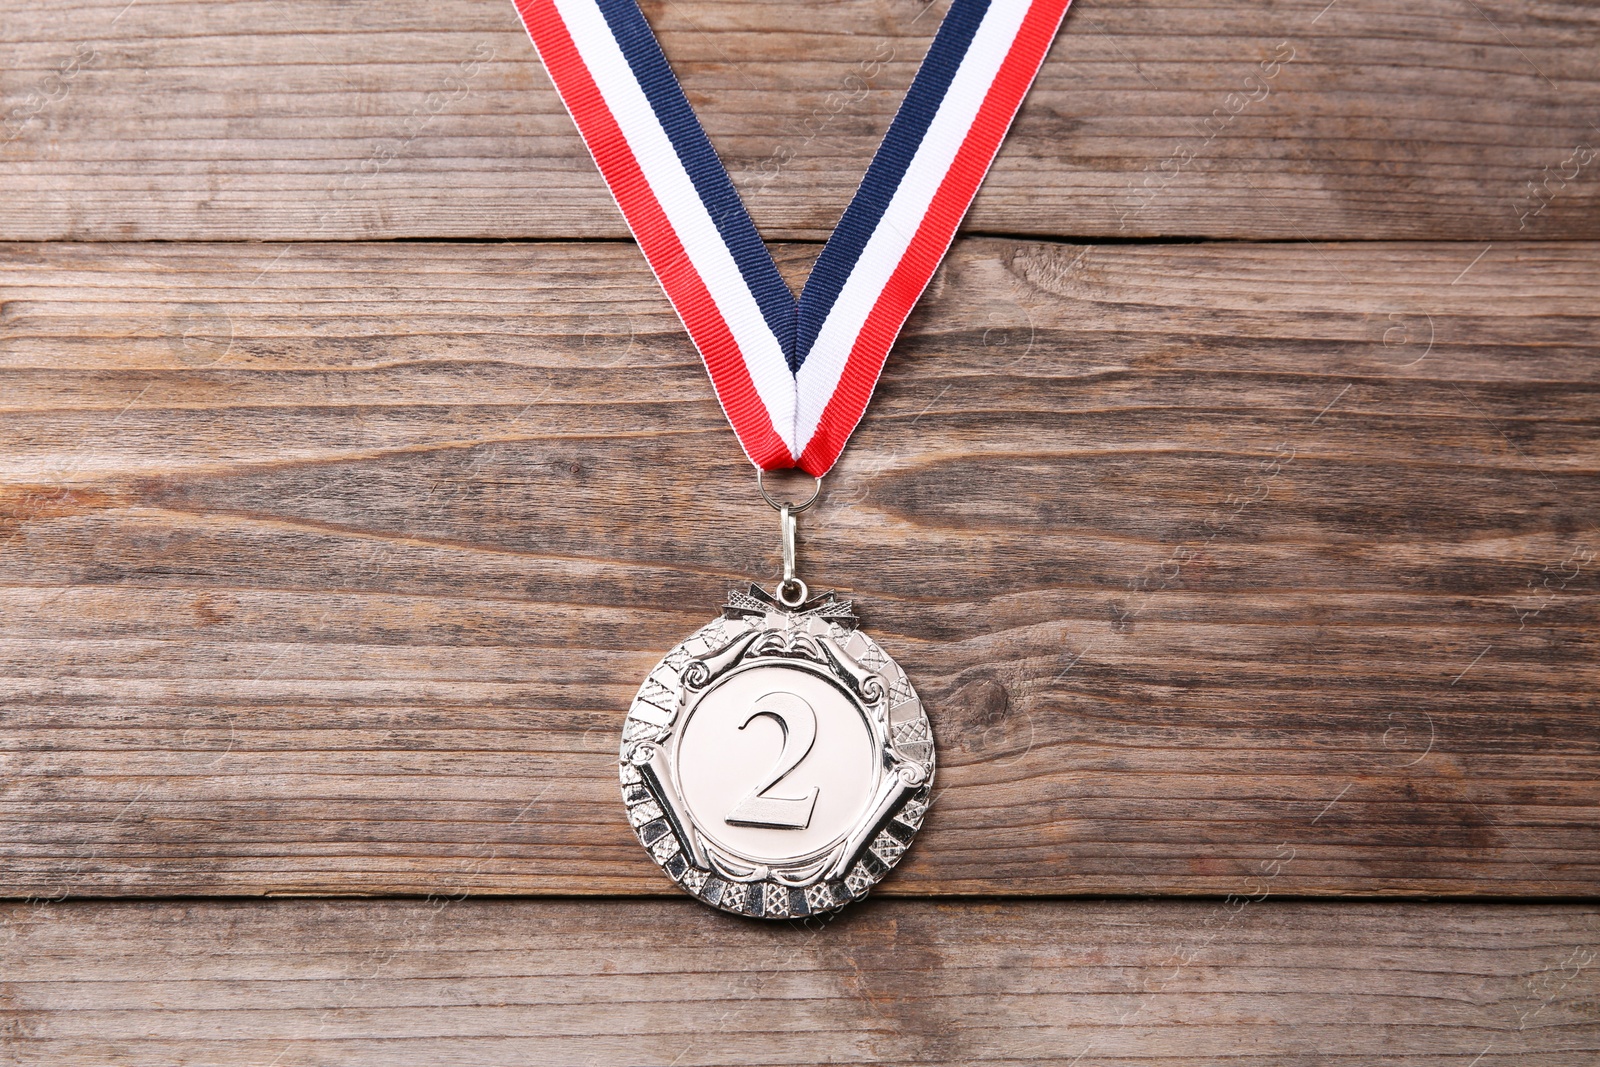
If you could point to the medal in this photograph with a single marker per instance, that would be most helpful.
(777, 762)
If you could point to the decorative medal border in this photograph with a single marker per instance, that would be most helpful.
(821, 632)
(794, 378)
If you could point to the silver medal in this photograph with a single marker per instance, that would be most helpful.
(777, 763)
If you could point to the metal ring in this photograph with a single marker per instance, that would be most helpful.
(800, 598)
(781, 504)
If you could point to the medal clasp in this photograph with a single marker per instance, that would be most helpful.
(791, 591)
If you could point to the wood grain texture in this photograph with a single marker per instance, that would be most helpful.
(332, 568)
(316, 119)
(1174, 984)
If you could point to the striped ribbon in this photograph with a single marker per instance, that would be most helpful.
(793, 377)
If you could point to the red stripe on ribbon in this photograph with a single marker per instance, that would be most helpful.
(657, 239)
(933, 236)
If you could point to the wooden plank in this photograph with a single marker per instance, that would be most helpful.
(558, 982)
(313, 119)
(331, 568)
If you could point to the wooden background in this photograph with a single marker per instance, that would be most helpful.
(1231, 500)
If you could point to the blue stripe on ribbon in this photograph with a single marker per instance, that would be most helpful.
(705, 170)
(888, 167)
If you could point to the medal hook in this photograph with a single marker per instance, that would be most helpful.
(787, 523)
(792, 592)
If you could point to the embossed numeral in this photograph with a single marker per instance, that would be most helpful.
(799, 723)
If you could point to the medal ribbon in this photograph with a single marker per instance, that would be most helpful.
(793, 377)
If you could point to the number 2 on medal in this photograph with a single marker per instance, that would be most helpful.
(799, 725)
